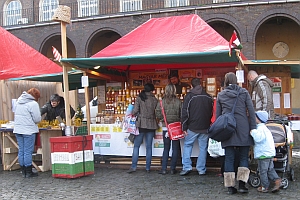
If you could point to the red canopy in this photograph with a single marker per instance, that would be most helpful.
(167, 35)
(168, 42)
(17, 59)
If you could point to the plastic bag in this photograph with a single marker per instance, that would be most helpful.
(215, 148)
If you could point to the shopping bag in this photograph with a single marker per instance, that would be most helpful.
(175, 131)
(215, 148)
(131, 128)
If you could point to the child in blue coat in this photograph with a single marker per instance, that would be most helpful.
(264, 151)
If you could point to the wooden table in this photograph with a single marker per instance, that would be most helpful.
(9, 149)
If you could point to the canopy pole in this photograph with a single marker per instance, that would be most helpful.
(65, 72)
(87, 107)
(63, 15)
(240, 63)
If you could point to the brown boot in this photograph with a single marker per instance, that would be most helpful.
(277, 185)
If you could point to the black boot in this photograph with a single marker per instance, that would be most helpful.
(30, 173)
(232, 190)
(23, 171)
(242, 187)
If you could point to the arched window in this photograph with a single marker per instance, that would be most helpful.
(47, 8)
(88, 7)
(12, 13)
(176, 3)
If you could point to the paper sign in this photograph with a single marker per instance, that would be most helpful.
(276, 100)
(85, 81)
(13, 105)
(240, 76)
(287, 100)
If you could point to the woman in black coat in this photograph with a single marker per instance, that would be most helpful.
(241, 141)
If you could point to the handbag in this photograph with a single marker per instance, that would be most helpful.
(224, 127)
(131, 138)
(174, 129)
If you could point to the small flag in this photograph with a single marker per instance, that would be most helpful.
(234, 43)
(56, 54)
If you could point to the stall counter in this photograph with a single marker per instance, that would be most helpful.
(9, 149)
(108, 139)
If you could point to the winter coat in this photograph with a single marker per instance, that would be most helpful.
(172, 111)
(53, 112)
(244, 114)
(263, 142)
(262, 95)
(145, 112)
(27, 115)
(197, 110)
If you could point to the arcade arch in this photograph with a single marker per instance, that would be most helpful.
(100, 40)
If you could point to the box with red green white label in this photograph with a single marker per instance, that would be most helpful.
(72, 165)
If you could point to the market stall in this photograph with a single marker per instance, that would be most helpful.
(19, 60)
(193, 49)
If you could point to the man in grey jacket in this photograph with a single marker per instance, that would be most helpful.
(261, 93)
(196, 116)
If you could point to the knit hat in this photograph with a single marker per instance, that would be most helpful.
(262, 116)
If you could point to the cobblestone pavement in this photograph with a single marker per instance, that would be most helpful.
(115, 183)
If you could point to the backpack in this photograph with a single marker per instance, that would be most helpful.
(224, 127)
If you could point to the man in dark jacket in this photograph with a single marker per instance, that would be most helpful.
(174, 79)
(196, 116)
(54, 108)
(261, 92)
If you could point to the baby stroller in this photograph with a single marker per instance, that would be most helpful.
(282, 159)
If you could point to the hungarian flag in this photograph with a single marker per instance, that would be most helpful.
(234, 43)
(56, 54)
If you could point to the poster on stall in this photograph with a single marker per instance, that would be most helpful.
(277, 84)
(158, 79)
(110, 140)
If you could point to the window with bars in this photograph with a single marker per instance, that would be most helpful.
(47, 8)
(13, 13)
(176, 3)
(88, 7)
(223, 1)
(130, 5)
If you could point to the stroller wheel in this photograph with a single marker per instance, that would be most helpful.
(292, 174)
(284, 183)
(254, 180)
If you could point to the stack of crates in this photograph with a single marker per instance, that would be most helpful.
(72, 156)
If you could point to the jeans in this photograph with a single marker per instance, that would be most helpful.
(149, 135)
(230, 156)
(187, 151)
(266, 171)
(26, 147)
(175, 152)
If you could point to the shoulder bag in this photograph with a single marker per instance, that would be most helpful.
(224, 127)
(174, 129)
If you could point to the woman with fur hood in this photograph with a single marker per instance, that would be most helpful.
(241, 141)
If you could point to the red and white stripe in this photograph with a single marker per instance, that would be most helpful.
(56, 54)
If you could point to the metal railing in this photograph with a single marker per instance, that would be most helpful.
(111, 7)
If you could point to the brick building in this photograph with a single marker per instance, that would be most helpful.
(268, 30)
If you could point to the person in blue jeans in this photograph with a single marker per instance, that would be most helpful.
(27, 116)
(196, 114)
(144, 109)
(240, 141)
(172, 109)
